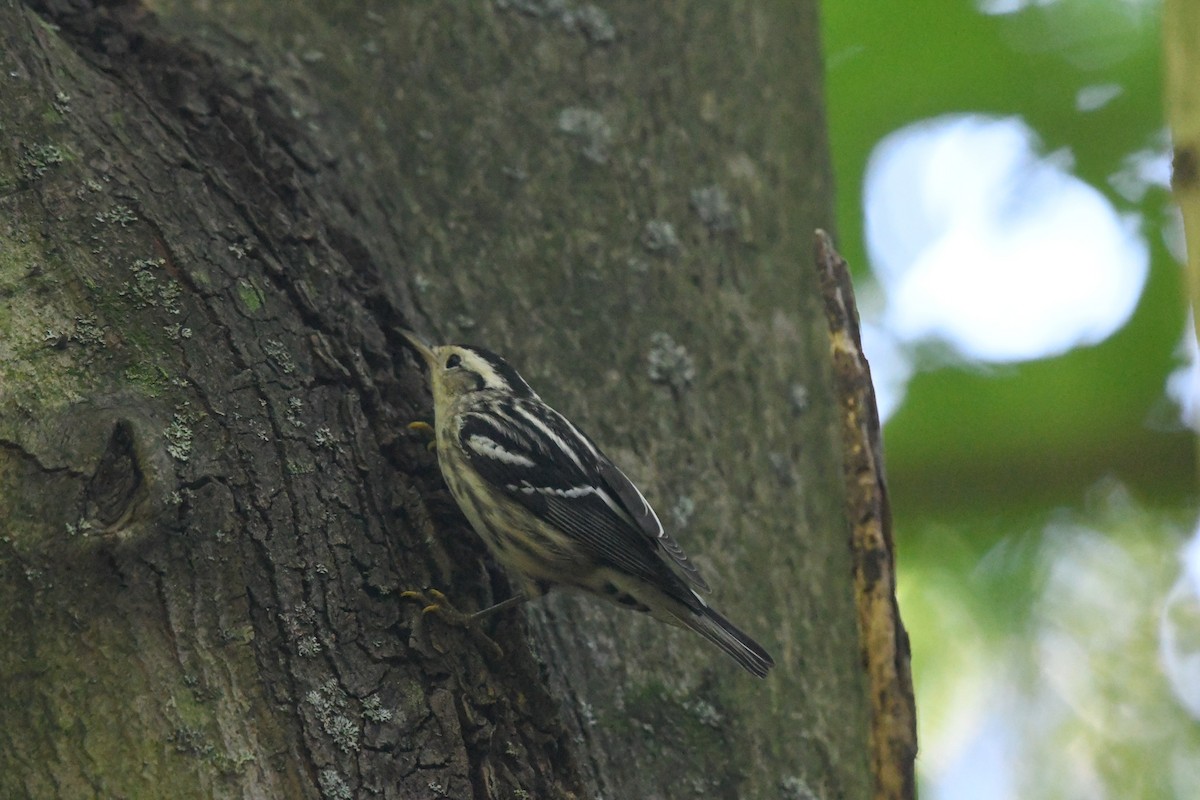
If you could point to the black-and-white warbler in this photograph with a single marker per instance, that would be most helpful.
(552, 508)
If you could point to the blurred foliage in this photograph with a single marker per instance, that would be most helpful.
(1038, 432)
(1049, 652)
(1040, 507)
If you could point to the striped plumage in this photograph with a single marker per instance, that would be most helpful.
(554, 509)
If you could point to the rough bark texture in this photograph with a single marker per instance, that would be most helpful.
(210, 505)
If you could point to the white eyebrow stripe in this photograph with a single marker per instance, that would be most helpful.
(490, 448)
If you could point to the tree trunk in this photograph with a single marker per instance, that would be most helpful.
(210, 501)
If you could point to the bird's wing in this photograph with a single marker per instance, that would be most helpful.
(643, 515)
(534, 456)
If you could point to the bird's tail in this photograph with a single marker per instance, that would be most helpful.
(725, 635)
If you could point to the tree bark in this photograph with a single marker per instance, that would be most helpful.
(211, 504)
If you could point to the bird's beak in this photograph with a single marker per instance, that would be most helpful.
(418, 345)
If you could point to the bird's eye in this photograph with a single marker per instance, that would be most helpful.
(453, 361)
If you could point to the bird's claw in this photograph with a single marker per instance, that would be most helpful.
(436, 602)
(424, 429)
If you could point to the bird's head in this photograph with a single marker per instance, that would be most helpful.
(456, 370)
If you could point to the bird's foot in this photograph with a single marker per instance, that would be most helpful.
(436, 602)
(424, 429)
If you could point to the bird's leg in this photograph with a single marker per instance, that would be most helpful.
(503, 605)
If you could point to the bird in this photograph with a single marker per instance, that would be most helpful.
(552, 508)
